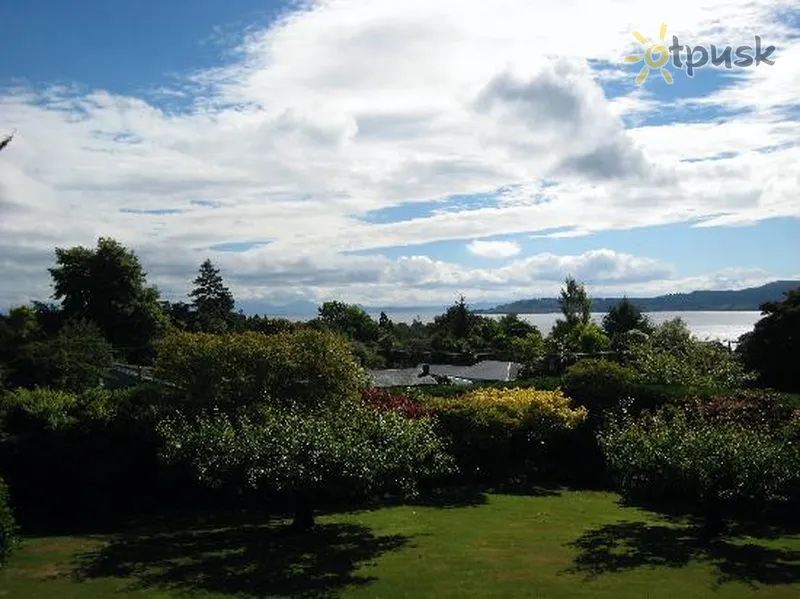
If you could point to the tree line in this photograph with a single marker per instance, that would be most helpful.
(105, 309)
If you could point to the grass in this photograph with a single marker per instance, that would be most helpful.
(549, 544)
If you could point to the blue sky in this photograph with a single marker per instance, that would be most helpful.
(384, 154)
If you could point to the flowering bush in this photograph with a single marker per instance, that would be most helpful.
(540, 412)
(381, 400)
(499, 432)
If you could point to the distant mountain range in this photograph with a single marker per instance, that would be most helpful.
(696, 301)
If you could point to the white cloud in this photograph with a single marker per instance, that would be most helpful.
(494, 249)
(349, 106)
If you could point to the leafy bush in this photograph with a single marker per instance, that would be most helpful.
(672, 356)
(75, 359)
(8, 527)
(576, 337)
(306, 457)
(306, 367)
(69, 455)
(497, 432)
(598, 384)
(762, 409)
(382, 400)
(771, 348)
(677, 455)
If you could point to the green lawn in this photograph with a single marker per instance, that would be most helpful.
(572, 544)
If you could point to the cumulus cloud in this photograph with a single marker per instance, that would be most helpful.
(494, 249)
(345, 107)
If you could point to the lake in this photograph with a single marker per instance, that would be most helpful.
(724, 326)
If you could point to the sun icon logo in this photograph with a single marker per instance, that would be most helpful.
(649, 61)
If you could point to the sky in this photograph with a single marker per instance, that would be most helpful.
(401, 153)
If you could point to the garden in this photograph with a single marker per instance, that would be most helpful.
(261, 462)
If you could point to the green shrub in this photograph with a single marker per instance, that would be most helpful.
(495, 433)
(598, 384)
(772, 347)
(757, 408)
(677, 455)
(49, 409)
(8, 526)
(671, 356)
(307, 367)
(75, 359)
(69, 455)
(307, 458)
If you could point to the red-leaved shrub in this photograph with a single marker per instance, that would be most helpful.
(381, 400)
(760, 409)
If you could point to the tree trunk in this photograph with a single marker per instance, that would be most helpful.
(714, 524)
(303, 516)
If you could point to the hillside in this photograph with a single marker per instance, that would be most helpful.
(696, 301)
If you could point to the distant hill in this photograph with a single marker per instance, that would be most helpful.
(696, 301)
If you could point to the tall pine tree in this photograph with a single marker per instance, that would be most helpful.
(211, 299)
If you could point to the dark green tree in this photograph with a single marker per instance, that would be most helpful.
(76, 359)
(180, 314)
(514, 327)
(623, 317)
(385, 323)
(212, 301)
(773, 347)
(575, 303)
(308, 458)
(457, 321)
(107, 286)
(349, 320)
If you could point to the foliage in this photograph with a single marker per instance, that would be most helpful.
(528, 349)
(494, 432)
(598, 384)
(68, 456)
(348, 320)
(106, 285)
(307, 367)
(211, 299)
(382, 400)
(622, 318)
(566, 338)
(672, 356)
(577, 333)
(674, 455)
(771, 349)
(307, 457)
(8, 527)
(76, 359)
(457, 322)
(574, 302)
(761, 409)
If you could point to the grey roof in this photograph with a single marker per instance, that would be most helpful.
(400, 377)
(486, 370)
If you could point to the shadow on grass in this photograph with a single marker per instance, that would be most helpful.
(628, 545)
(474, 494)
(243, 560)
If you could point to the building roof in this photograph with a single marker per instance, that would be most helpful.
(400, 377)
(486, 370)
